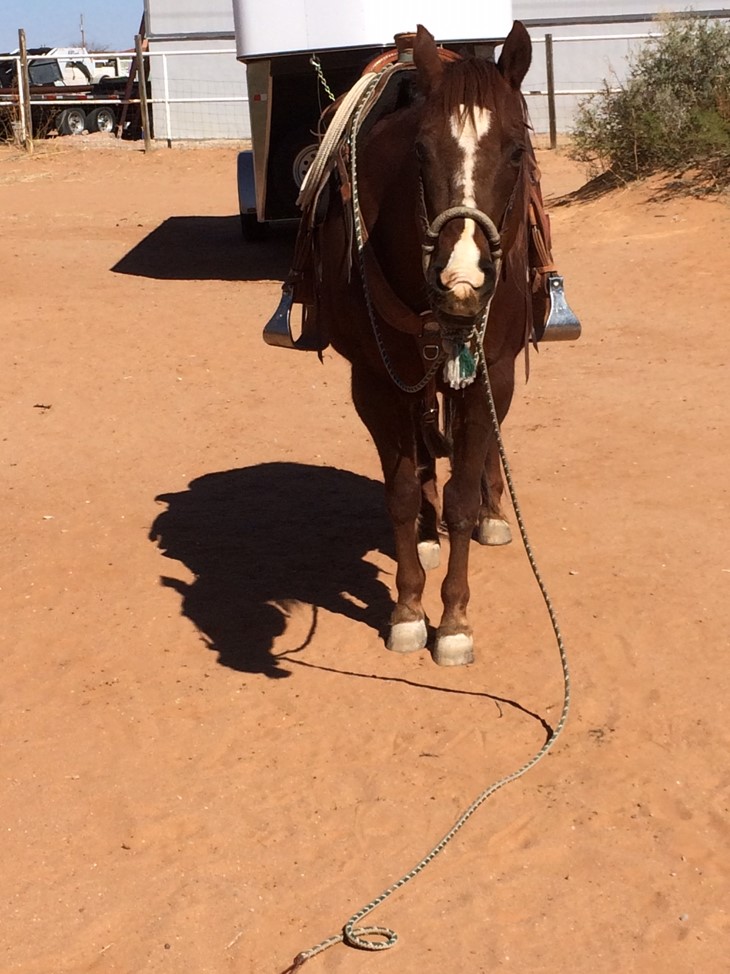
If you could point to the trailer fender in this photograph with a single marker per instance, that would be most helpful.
(251, 229)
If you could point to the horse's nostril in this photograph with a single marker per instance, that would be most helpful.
(438, 280)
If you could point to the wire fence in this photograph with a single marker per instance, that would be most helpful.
(199, 92)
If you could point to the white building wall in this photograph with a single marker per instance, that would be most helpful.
(182, 31)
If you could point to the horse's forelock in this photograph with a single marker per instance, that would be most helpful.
(473, 84)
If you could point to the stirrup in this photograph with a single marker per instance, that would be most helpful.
(278, 329)
(561, 324)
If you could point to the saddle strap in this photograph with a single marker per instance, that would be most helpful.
(540, 236)
(385, 301)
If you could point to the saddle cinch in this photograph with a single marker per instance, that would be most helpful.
(300, 287)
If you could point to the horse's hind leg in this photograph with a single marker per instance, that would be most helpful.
(387, 416)
(493, 528)
(429, 547)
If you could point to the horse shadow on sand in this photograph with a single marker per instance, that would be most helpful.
(263, 539)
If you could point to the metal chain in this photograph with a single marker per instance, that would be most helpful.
(356, 936)
(316, 64)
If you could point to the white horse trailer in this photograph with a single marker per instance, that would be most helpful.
(297, 52)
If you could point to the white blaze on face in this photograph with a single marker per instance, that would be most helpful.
(462, 273)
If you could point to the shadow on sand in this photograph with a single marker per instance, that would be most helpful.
(209, 248)
(261, 539)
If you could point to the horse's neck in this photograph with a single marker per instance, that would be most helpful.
(387, 171)
(390, 199)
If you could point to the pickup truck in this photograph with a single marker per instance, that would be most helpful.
(68, 109)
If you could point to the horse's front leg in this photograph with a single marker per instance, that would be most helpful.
(387, 414)
(454, 644)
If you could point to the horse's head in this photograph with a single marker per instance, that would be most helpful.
(470, 144)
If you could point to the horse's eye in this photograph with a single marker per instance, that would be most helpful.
(516, 155)
(420, 149)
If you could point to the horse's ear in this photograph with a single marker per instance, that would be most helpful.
(427, 60)
(516, 55)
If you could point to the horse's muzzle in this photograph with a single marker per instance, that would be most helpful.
(461, 295)
(462, 298)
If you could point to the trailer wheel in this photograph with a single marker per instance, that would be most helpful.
(101, 120)
(71, 121)
(302, 163)
(290, 159)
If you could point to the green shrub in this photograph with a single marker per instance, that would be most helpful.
(673, 112)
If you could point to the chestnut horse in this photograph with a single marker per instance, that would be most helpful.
(423, 283)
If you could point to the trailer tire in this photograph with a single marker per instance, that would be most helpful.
(101, 120)
(71, 121)
(290, 159)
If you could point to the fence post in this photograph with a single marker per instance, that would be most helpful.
(168, 120)
(24, 92)
(551, 90)
(142, 92)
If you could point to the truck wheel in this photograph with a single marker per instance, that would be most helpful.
(101, 120)
(71, 121)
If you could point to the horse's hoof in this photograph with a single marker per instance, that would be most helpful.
(494, 531)
(453, 650)
(407, 637)
(429, 554)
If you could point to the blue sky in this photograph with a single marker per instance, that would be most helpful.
(55, 23)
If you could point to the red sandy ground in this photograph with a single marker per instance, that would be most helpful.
(209, 759)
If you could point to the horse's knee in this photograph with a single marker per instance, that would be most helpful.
(403, 500)
(461, 506)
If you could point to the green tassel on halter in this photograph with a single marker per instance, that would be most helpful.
(467, 365)
(460, 367)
